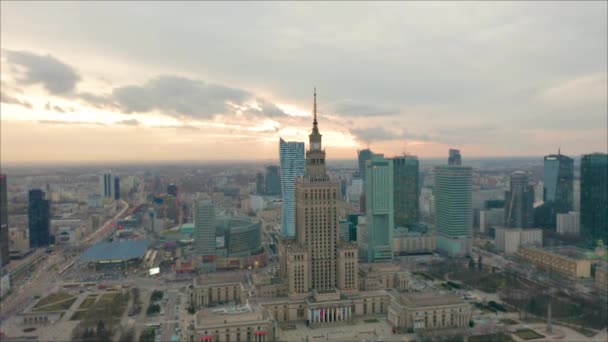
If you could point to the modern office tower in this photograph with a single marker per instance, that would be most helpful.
(379, 208)
(116, 188)
(293, 165)
(454, 158)
(364, 156)
(172, 190)
(4, 245)
(519, 202)
(106, 185)
(259, 184)
(406, 190)
(317, 260)
(594, 196)
(204, 232)
(558, 187)
(453, 209)
(39, 217)
(273, 180)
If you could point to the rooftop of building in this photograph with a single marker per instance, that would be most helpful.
(566, 251)
(424, 299)
(231, 314)
(220, 278)
(379, 267)
(116, 251)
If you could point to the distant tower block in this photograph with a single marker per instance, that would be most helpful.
(549, 325)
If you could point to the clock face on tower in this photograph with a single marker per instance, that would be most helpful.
(316, 146)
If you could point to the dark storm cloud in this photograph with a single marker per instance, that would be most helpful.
(56, 76)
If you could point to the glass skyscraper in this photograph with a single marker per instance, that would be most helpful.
(453, 209)
(454, 158)
(519, 202)
(293, 165)
(379, 208)
(273, 180)
(405, 190)
(364, 156)
(39, 217)
(4, 247)
(204, 232)
(594, 196)
(558, 188)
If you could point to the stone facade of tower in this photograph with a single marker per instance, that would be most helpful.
(317, 260)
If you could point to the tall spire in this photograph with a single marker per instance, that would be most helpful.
(315, 107)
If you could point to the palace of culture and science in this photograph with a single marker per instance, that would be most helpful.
(317, 262)
(319, 281)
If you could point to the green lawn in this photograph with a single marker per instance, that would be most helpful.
(498, 337)
(57, 306)
(528, 334)
(53, 298)
(373, 320)
(88, 302)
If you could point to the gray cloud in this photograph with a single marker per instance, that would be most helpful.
(356, 108)
(482, 64)
(76, 123)
(376, 133)
(58, 109)
(9, 99)
(56, 76)
(129, 122)
(179, 127)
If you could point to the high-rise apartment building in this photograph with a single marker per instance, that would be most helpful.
(519, 202)
(259, 184)
(558, 188)
(453, 209)
(39, 217)
(116, 188)
(106, 184)
(273, 180)
(4, 244)
(363, 156)
(204, 232)
(594, 196)
(454, 157)
(379, 208)
(406, 190)
(172, 190)
(293, 165)
(317, 260)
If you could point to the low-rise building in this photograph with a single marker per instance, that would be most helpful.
(491, 218)
(405, 242)
(210, 290)
(509, 240)
(567, 260)
(601, 276)
(427, 311)
(380, 276)
(18, 239)
(235, 323)
(569, 224)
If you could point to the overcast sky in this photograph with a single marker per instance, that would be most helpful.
(219, 80)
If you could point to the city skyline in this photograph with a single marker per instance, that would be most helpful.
(480, 83)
